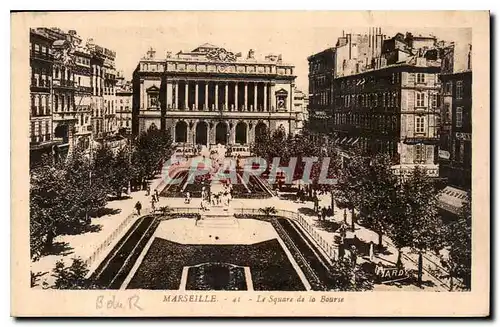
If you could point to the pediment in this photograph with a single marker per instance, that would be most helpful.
(281, 92)
(153, 88)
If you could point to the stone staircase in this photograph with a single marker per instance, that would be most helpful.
(218, 216)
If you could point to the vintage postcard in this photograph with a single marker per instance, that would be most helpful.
(250, 163)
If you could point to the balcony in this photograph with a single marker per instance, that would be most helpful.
(84, 89)
(82, 107)
(64, 84)
(42, 56)
(421, 139)
(40, 84)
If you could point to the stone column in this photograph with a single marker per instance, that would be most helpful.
(251, 132)
(216, 96)
(265, 97)
(175, 99)
(142, 95)
(186, 98)
(273, 98)
(196, 95)
(236, 96)
(211, 133)
(255, 97)
(205, 105)
(232, 134)
(226, 98)
(245, 102)
(169, 99)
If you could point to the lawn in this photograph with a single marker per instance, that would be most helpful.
(269, 266)
(194, 188)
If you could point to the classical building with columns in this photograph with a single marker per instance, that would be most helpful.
(212, 96)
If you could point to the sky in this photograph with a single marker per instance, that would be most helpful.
(264, 32)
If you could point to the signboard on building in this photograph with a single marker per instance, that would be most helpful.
(406, 170)
(390, 274)
(463, 136)
(444, 154)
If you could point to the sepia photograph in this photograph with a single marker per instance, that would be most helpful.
(225, 168)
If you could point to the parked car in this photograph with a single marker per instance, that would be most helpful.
(240, 151)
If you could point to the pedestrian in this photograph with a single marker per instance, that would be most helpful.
(372, 253)
(329, 211)
(188, 197)
(323, 213)
(354, 255)
(138, 207)
(316, 200)
(148, 190)
(153, 203)
(157, 195)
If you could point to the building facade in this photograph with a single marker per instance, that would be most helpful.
(455, 148)
(391, 110)
(64, 87)
(383, 97)
(103, 83)
(212, 96)
(124, 98)
(41, 66)
(83, 93)
(67, 92)
(300, 109)
(321, 98)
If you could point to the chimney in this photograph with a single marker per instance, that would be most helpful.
(373, 42)
(369, 37)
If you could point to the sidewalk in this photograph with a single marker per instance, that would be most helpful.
(84, 245)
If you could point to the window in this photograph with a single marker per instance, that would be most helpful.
(448, 87)
(47, 131)
(153, 100)
(419, 153)
(460, 91)
(419, 124)
(434, 101)
(33, 137)
(421, 78)
(420, 97)
(458, 121)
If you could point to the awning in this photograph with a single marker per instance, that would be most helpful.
(452, 199)
(355, 141)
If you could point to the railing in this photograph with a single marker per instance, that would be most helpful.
(41, 55)
(435, 271)
(112, 237)
(330, 250)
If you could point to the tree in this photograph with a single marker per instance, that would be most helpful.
(120, 171)
(346, 276)
(378, 194)
(457, 238)
(86, 187)
(151, 147)
(102, 166)
(72, 277)
(416, 222)
(48, 207)
(348, 187)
